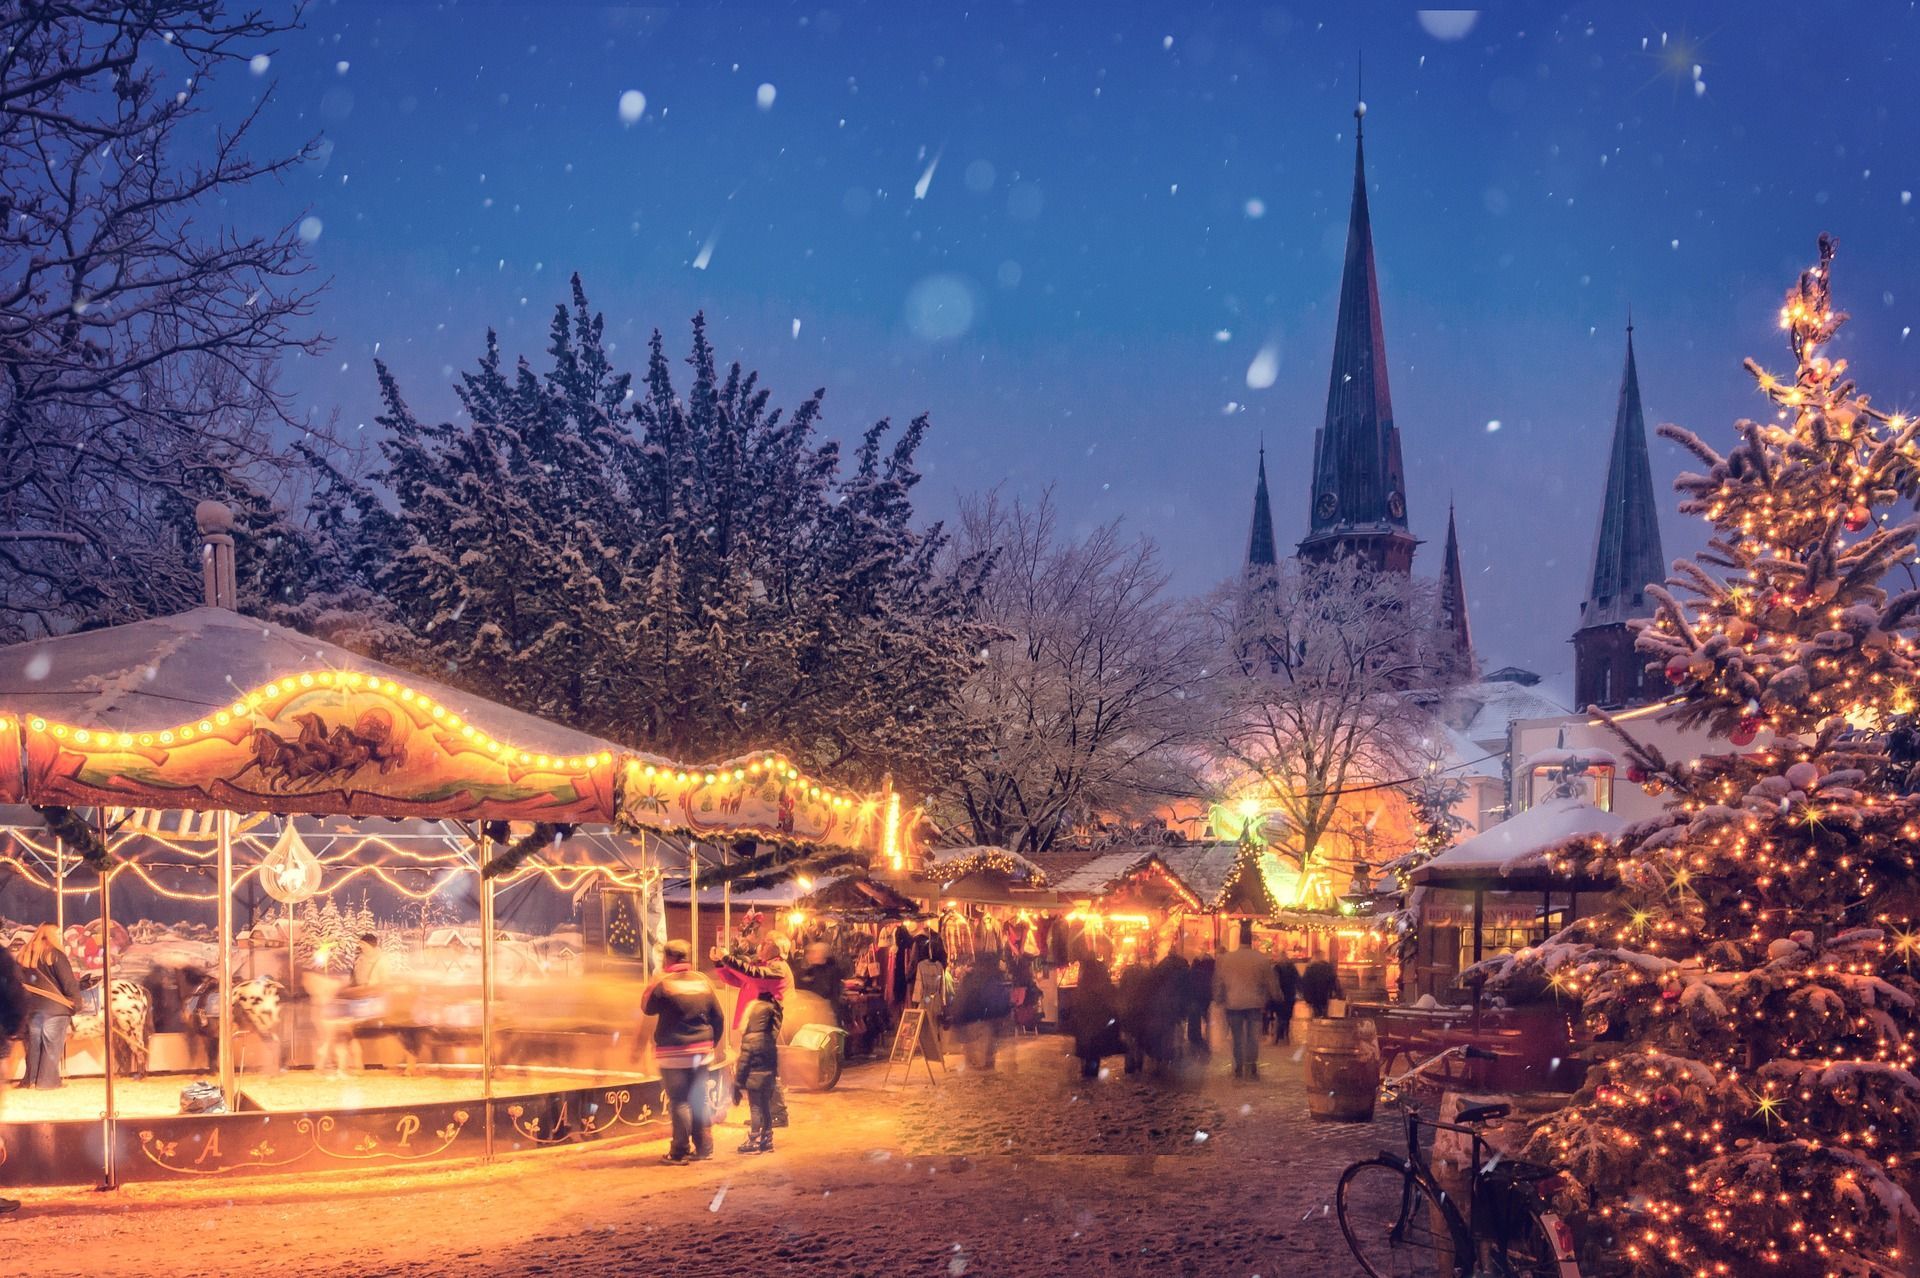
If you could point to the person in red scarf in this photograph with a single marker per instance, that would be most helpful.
(768, 972)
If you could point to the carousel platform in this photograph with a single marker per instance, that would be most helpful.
(300, 1121)
(158, 1096)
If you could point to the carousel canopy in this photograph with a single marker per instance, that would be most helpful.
(1512, 856)
(212, 711)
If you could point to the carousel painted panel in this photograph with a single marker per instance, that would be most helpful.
(55, 1153)
(12, 763)
(324, 741)
(761, 796)
(633, 1107)
(221, 1146)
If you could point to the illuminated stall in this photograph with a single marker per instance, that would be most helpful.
(222, 809)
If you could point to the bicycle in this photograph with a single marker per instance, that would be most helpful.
(1399, 1222)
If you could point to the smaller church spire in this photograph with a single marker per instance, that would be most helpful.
(1627, 557)
(1456, 635)
(1260, 544)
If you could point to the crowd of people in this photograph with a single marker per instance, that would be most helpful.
(1157, 1014)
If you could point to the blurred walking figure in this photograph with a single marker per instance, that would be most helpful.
(1320, 985)
(759, 1071)
(1094, 1020)
(52, 994)
(1243, 984)
(1200, 1004)
(1287, 976)
(981, 1007)
(688, 1026)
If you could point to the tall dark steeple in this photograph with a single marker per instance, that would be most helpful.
(1454, 640)
(1626, 558)
(1260, 545)
(1359, 498)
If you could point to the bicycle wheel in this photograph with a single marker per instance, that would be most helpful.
(1532, 1253)
(1394, 1222)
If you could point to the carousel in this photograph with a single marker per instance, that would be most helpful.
(332, 916)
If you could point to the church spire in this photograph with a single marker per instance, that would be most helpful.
(1359, 487)
(1626, 558)
(1260, 545)
(1455, 638)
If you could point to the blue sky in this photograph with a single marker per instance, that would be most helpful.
(1068, 231)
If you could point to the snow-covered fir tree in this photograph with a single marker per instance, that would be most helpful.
(1752, 980)
(691, 574)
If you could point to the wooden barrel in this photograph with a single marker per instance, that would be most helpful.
(1343, 1069)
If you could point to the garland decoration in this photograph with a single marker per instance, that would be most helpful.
(545, 834)
(79, 835)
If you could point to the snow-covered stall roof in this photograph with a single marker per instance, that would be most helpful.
(952, 863)
(1101, 874)
(1514, 853)
(1204, 867)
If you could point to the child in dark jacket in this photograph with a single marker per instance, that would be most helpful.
(759, 1070)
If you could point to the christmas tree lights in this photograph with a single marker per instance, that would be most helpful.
(1750, 985)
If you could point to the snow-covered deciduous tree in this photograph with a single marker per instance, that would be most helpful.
(138, 330)
(1090, 693)
(1309, 702)
(1751, 981)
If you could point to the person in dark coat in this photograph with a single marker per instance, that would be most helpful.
(1094, 1020)
(1170, 996)
(1199, 1004)
(981, 1006)
(1287, 976)
(1133, 994)
(688, 1029)
(758, 1071)
(1320, 985)
(13, 1019)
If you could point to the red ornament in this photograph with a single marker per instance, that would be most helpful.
(1745, 731)
(1677, 670)
(1856, 517)
(1666, 1096)
(1636, 773)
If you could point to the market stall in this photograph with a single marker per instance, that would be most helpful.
(1501, 889)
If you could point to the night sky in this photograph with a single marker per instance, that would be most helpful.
(1071, 232)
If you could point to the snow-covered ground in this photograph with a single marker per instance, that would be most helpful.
(1028, 1171)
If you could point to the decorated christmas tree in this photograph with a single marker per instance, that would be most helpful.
(1751, 982)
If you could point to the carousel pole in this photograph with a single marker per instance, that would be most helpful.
(60, 887)
(693, 902)
(486, 983)
(223, 826)
(109, 1172)
(726, 904)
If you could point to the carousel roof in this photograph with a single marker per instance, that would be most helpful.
(151, 675)
(1513, 854)
(212, 711)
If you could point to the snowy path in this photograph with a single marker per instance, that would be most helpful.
(1024, 1172)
